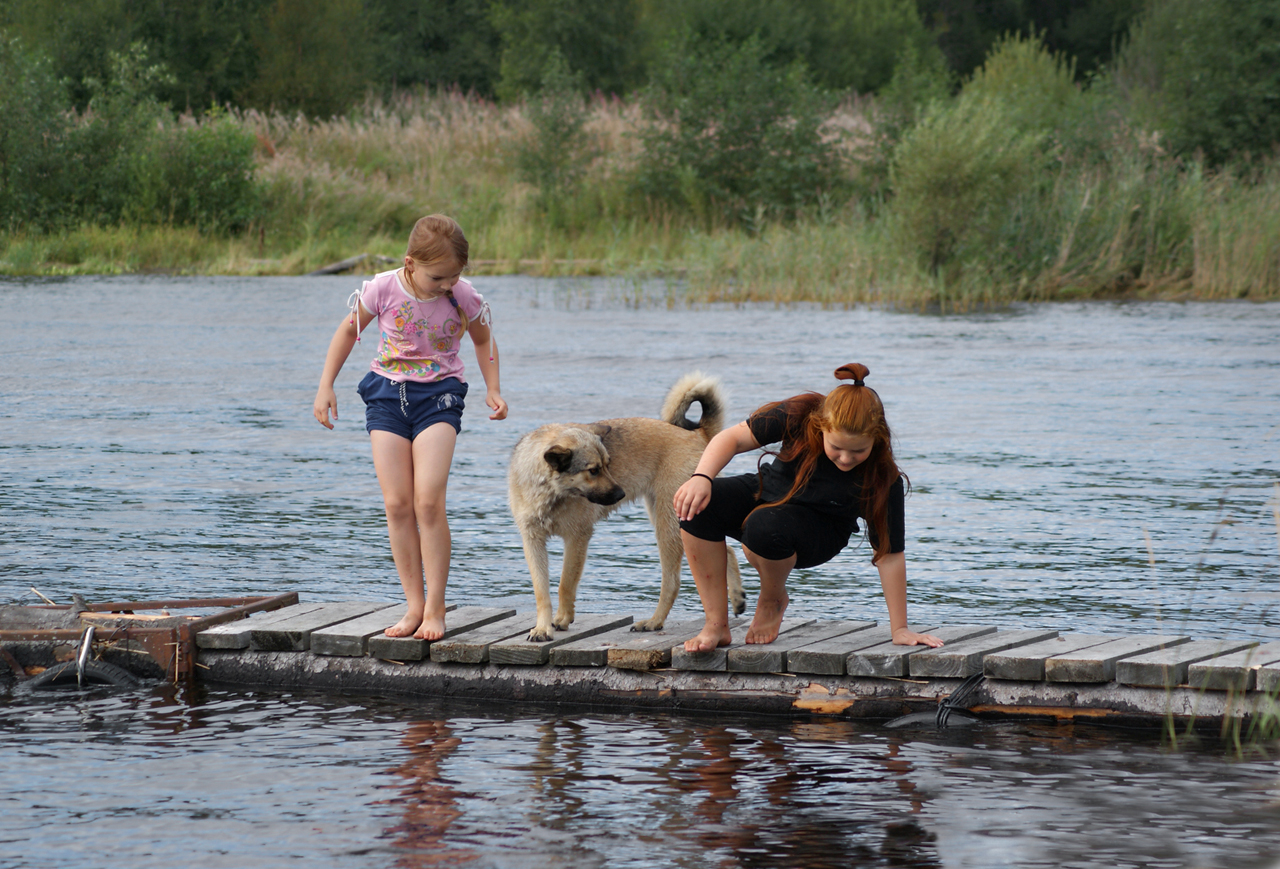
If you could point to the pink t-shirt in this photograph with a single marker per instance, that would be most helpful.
(420, 338)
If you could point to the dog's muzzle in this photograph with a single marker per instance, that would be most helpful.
(613, 496)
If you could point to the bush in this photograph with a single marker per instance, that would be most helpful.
(35, 181)
(734, 140)
(1206, 73)
(556, 157)
(198, 175)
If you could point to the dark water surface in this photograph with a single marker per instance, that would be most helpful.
(1090, 467)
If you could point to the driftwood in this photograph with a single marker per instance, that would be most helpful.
(351, 262)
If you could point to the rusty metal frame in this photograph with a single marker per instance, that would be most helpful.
(173, 647)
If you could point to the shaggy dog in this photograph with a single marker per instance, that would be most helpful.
(564, 478)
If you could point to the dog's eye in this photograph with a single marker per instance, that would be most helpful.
(595, 472)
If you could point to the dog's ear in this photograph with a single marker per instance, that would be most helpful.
(559, 457)
(599, 429)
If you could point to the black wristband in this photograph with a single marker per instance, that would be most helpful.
(703, 476)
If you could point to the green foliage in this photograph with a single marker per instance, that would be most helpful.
(845, 44)
(1206, 73)
(33, 178)
(442, 43)
(597, 40)
(736, 141)
(556, 157)
(196, 175)
(958, 173)
(315, 56)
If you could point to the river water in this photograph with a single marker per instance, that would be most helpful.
(1103, 467)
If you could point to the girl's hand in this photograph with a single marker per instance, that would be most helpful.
(326, 400)
(497, 405)
(908, 637)
(692, 498)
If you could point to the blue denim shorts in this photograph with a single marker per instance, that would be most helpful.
(409, 408)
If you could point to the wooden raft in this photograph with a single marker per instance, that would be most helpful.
(805, 647)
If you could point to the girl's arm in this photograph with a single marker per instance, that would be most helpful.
(893, 580)
(482, 338)
(339, 349)
(692, 497)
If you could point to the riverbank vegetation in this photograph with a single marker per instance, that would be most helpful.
(739, 157)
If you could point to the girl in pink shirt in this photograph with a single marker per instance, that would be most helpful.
(414, 396)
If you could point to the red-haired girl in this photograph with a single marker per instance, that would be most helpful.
(413, 398)
(835, 466)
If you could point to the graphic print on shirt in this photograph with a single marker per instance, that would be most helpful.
(398, 351)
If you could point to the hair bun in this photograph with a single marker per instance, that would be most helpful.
(855, 371)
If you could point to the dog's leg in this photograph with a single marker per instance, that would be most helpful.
(737, 597)
(670, 554)
(575, 559)
(535, 555)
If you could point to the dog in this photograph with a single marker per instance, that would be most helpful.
(564, 478)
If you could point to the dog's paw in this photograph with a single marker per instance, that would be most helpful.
(562, 624)
(647, 625)
(539, 635)
(739, 602)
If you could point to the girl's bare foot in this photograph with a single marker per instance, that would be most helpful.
(430, 629)
(710, 639)
(768, 618)
(406, 626)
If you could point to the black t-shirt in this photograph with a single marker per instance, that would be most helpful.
(830, 490)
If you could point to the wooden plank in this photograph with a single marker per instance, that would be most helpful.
(294, 634)
(235, 635)
(652, 649)
(1237, 671)
(1026, 663)
(472, 647)
(772, 658)
(889, 660)
(717, 660)
(348, 639)
(461, 620)
(828, 657)
(1268, 679)
(964, 658)
(593, 651)
(518, 650)
(1098, 663)
(1168, 667)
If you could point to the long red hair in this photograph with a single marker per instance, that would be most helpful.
(851, 408)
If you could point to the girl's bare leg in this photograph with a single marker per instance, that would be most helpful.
(771, 606)
(432, 456)
(393, 462)
(708, 562)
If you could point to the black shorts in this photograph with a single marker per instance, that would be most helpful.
(775, 533)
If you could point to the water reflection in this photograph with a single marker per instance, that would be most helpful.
(428, 801)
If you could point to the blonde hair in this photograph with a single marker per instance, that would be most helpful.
(435, 238)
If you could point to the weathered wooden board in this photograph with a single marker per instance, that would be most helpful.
(294, 634)
(1098, 663)
(461, 620)
(472, 647)
(828, 657)
(518, 650)
(349, 639)
(964, 658)
(235, 635)
(594, 651)
(651, 650)
(1268, 678)
(718, 659)
(772, 658)
(1168, 667)
(1026, 663)
(888, 660)
(1237, 671)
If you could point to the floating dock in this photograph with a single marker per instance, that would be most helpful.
(816, 667)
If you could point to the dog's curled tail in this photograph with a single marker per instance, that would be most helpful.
(707, 392)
